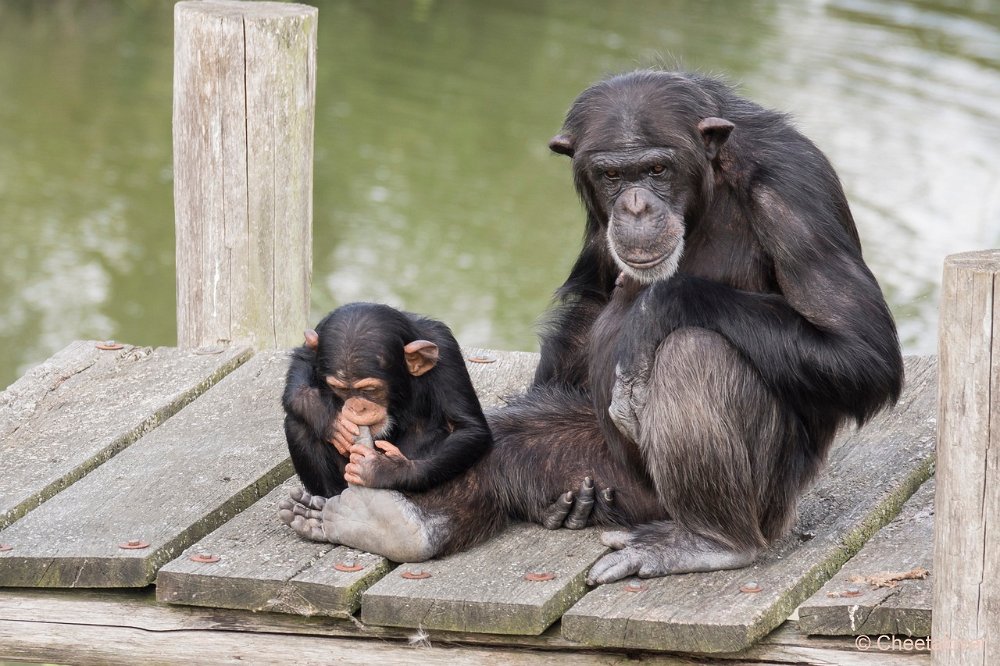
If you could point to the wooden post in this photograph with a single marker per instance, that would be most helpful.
(966, 614)
(244, 107)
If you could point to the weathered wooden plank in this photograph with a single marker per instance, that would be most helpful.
(244, 104)
(485, 588)
(966, 614)
(265, 566)
(82, 406)
(847, 605)
(498, 375)
(173, 486)
(870, 474)
(35, 616)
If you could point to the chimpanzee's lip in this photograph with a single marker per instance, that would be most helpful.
(643, 265)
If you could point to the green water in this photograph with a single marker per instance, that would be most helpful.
(434, 190)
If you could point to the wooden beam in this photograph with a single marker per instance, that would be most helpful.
(109, 625)
(244, 107)
(966, 616)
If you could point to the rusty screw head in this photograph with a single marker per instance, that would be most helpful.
(133, 544)
(482, 358)
(751, 587)
(109, 345)
(416, 575)
(635, 586)
(4, 547)
(348, 566)
(204, 558)
(852, 592)
(536, 576)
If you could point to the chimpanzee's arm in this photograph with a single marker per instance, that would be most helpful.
(308, 418)
(827, 341)
(567, 327)
(303, 398)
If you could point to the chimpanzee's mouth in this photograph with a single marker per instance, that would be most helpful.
(647, 264)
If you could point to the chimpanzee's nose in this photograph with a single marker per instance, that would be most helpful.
(634, 201)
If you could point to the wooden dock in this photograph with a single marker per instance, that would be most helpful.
(138, 487)
(151, 477)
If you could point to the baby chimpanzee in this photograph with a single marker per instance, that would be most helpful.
(401, 375)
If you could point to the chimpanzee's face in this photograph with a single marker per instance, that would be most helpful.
(643, 160)
(366, 400)
(643, 195)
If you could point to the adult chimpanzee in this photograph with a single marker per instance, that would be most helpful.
(717, 328)
(399, 374)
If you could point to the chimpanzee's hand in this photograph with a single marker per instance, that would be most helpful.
(368, 467)
(574, 510)
(343, 434)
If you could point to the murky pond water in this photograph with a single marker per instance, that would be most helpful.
(434, 190)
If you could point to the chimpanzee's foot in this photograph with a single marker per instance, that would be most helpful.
(628, 398)
(304, 514)
(573, 510)
(668, 550)
(377, 521)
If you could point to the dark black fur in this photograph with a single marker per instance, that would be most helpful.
(438, 423)
(795, 334)
(739, 357)
(771, 263)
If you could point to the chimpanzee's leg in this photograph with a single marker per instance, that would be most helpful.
(546, 443)
(711, 435)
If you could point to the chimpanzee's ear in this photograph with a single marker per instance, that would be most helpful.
(714, 132)
(562, 144)
(421, 356)
(312, 339)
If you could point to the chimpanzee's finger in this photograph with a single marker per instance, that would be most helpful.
(341, 443)
(554, 515)
(583, 506)
(389, 448)
(350, 429)
(361, 451)
(608, 495)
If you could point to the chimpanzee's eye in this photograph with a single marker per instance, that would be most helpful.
(657, 169)
(612, 174)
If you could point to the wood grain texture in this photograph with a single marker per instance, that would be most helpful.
(966, 617)
(869, 475)
(506, 374)
(484, 589)
(243, 116)
(173, 486)
(76, 410)
(111, 623)
(264, 566)
(905, 544)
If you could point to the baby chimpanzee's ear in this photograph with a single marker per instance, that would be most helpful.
(421, 356)
(312, 339)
